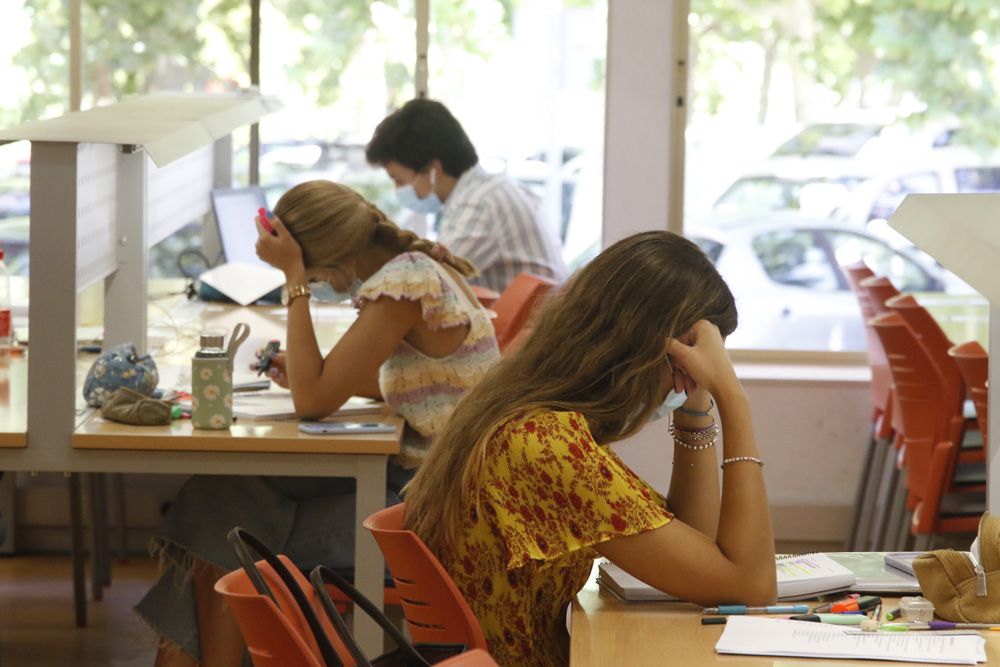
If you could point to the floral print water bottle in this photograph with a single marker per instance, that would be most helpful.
(211, 385)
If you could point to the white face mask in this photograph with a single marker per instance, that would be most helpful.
(673, 401)
(408, 198)
(323, 291)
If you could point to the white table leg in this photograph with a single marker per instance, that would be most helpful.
(369, 566)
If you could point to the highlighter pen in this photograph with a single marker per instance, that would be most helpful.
(949, 625)
(731, 609)
(835, 619)
(893, 614)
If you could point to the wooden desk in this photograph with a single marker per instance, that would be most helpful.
(13, 402)
(249, 448)
(607, 631)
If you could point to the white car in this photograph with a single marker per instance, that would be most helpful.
(784, 273)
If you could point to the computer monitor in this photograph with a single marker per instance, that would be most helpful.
(235, 210)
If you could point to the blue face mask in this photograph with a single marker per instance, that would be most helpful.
(673, 401)
(408, 198)
(323, 291)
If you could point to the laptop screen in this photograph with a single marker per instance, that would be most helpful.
(235, 210)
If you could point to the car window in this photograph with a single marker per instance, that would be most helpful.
(840, 139)
(904, 273)
(978, 179)
(793, 257)
(888, 199)
(711, 248)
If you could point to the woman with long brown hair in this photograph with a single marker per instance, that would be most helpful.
(420, 341)
(520, 493)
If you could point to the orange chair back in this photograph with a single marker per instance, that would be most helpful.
(920, 391)
(974, 365)
(881, 384)
(517, 303)
(277, 634)
(435, 610)
(879, 290)
(935, 341)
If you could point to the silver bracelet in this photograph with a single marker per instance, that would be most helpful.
(737, 459)
(698, 413)
(696, 448)
(707, 433)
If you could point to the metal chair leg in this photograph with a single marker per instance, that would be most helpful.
(120, 518)
(76, 532)
(96, 565)
(864, 508)
(888, 479)
(862, 488)
(896, 515)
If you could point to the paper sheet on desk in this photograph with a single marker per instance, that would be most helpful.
(779, 637)
(243, 283)
(277, 404)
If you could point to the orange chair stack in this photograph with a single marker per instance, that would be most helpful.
(926, 426)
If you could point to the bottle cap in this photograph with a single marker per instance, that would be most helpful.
(208, 340)
(1, 253)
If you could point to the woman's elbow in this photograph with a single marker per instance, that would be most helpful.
(761, 590)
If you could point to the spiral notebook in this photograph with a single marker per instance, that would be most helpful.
(800, 577)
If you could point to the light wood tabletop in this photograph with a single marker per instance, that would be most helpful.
(246, 435)
(606, 631)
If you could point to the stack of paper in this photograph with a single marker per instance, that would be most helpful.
(277, 404)
(747, 635)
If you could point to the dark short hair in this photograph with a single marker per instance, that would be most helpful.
(422, 131)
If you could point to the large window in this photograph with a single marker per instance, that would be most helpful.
(824, 115)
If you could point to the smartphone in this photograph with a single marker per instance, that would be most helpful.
(262, 215)
(345, 428)
(264, 360)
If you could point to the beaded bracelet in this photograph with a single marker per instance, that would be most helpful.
(707, 433)
(737, 459)
(698, 413)
(696, 448)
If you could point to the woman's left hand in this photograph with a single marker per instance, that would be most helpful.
(280, 249)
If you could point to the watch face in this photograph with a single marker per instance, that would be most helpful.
(284, 295)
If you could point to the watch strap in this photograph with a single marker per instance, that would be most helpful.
(293, 292)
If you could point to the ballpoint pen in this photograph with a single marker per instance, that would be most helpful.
(836, 619)
(729, 609)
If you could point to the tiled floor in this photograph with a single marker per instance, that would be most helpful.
(36, 616)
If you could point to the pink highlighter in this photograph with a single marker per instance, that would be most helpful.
(262, 215)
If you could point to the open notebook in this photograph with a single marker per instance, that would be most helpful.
(799, 577)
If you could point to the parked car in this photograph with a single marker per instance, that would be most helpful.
(784, 273)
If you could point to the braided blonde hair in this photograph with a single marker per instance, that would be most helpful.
(332, 222)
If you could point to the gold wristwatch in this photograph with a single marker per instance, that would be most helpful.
(291, 292)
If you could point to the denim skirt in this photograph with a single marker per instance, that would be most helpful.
(309, 519)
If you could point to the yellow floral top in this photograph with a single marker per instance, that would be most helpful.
(550, 493)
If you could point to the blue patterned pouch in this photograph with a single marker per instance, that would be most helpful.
(120, 366)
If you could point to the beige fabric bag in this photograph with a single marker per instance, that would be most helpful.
(964, 586)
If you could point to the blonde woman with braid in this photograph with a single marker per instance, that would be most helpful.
(520, 492)
(420, 341)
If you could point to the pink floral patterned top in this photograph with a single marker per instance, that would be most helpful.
(550, 493)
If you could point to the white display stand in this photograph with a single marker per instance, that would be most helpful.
(962, 232)
(106, 184)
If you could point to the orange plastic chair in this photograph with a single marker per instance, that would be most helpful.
(974, 365)
(275, 630)
(929, 455)
(516, 305)
(936, 342)
(435, 610)
(485, 295)
(879, 289)
(864, 521)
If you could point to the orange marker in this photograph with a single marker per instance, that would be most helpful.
(841, 607)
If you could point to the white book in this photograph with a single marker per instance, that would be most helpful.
(799, 577)
(277, 404)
